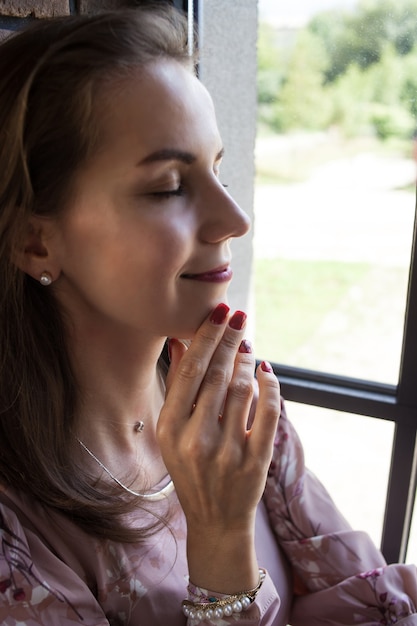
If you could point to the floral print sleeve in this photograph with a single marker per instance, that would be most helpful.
(46, 593)
(340, 577)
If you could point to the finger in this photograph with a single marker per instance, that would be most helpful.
(240, 393)
(214, 388)
(253, 403)
(262, 434)
(176, 350)
(190, 370)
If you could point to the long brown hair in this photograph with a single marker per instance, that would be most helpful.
(50, 75)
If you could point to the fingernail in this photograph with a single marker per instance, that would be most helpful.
(237, 321)
(219, 314)
(245, 347)
(266, 367)
(170, 342)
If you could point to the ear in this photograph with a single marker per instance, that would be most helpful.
(34, 255)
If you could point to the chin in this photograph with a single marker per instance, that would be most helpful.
(188, 320)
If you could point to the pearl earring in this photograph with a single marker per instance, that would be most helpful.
(45, 279)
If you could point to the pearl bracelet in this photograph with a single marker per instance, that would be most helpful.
(216, 608)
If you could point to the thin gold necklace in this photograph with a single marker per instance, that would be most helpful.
(157, 495)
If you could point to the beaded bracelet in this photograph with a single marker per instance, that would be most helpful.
(216, 608)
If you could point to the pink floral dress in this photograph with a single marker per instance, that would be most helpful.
(319, 571)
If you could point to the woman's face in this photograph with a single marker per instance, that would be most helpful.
(144, 245)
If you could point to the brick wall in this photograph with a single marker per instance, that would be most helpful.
(15, 13)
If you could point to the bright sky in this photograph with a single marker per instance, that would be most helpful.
(298, 11)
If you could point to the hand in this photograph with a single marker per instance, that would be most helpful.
(218, 466)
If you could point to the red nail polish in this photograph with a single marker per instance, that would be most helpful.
(238, 319)
(245, 347)
(219, 314)
(266, 367)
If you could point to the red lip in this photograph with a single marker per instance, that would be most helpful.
(219, 275)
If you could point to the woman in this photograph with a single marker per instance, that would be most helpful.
(124, 479)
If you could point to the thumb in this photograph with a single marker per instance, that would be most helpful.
(176, 349)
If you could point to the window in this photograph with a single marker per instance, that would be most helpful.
(335, 276)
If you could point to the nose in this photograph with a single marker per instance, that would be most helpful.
(222, 216)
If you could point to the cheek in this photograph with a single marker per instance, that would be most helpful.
(127, 249)
(168, 246)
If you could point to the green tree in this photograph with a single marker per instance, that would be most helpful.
(371, 100)
(361, 37)
(302, 102)
(409, 84)
(349, 95)
(270, 67)
(386, 77)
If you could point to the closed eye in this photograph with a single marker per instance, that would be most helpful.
(169, 193)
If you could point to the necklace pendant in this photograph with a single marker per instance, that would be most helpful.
(139, 426)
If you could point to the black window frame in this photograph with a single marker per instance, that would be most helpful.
(183, 5)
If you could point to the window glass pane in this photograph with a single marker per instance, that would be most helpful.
(335, 190)
(351, 456)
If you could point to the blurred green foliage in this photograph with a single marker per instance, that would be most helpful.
(356, 71)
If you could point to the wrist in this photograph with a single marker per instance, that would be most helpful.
(223, 562)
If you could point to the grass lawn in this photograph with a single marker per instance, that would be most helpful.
(292, 297)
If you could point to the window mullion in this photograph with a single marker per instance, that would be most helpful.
(407, 384)
(401, 494)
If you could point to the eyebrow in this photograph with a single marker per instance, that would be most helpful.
(169, 154)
